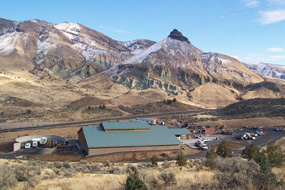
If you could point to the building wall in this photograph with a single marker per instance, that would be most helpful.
(101, 151)
(82, 141)
(209, 130)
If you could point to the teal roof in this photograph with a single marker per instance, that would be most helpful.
(96, 137)
(180, 131)
(125, 125)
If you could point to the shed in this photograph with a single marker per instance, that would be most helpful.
(208, 131)
(181, 132)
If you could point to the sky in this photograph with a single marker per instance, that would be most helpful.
(252, 31)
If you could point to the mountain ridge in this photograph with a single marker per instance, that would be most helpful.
(94, 64)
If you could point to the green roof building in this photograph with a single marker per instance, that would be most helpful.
(181, 132)
(114, 137)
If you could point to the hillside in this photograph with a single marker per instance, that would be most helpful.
(55, 69)
(259, 107)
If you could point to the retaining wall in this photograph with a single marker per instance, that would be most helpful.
(96, 152)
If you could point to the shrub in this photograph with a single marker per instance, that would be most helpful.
(166, 164)
(7, 178)
(224, 149)
(154, 160)
(66, 165)
(29, 111)
(168, 178)
(153, 182)
(211, 159)
(107, 163)
(235, 173)
(251, 152)
(134, 182)
(275, 155)
(181, 159)
(267, 180)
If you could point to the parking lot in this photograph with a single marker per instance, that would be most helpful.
(260, 141)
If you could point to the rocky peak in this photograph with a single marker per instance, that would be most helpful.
(175, 34)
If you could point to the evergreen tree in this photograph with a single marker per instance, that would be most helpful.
(181, 159)
(252, 152)
(275, 154)
(268, 179)
(211, 159)
(224, 149)
(154, 160)
(134, 182)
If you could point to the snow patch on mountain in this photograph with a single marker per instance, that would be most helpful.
(277, 71)
(70, 29)
(86, 47)
(7, 43)
(138, 58)
(224, 61)
(133, 46)
(174, 46)
(44, 46)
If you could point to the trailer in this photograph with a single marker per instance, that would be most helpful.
(149, 121)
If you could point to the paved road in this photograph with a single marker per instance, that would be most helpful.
(97, 121)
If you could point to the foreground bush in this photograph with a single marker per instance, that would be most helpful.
(181, 159)
(134, 182)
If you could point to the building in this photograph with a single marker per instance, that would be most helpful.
(113, 137)
(182, 133)
(208, 131)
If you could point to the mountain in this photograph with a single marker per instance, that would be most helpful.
(270, 70)
(174, 63)
(53, 65)
(70, 50)
(175, 66)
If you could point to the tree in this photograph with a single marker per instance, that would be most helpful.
(275, 154)
(252, 152)
(224, 149)
(181, 159)
(154, 160)
(268, 179)
(134, 182)
(174, 100)
(211, 159)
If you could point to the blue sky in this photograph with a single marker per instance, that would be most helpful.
(251, 30)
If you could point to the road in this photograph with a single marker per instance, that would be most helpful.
(97, 121)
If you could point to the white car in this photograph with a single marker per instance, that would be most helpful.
(28, 145)
(203, 147)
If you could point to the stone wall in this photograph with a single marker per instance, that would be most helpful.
(101, 151)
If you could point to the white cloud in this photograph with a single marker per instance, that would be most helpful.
(254, 58)
(275, 49)
(251, 3)
(276, 58)
(123, 31)
(269, 17)
(277, 2)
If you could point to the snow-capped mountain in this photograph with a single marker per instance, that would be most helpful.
(271, 70)
(68, 49)
(174, 63)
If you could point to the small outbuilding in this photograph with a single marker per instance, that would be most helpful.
(182, 133)
(208, 131)
(113, 137)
